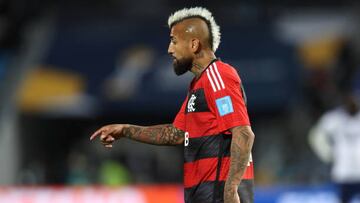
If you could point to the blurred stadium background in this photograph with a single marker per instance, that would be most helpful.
(69, 66)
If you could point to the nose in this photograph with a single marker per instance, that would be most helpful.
(170, 50)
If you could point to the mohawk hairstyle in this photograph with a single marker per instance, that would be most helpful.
(204, 14)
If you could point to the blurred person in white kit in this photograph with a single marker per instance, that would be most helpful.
(336, 140)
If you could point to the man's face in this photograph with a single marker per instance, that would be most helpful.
(179, 49)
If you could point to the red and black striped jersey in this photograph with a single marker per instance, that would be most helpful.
(215, 103)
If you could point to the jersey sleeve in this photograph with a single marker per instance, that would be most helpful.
(179, 121)
(327, 125)
(227, 98)
(320, 138)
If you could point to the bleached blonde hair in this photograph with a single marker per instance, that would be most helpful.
(202, 13)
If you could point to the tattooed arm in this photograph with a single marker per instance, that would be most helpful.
(241, 144)
(165, 134)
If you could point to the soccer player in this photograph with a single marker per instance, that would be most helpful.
(212, 123)
(336, 140)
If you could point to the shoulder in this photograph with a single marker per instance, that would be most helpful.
(333, 113)
(332, 117)
(226, 71)
(220, 74)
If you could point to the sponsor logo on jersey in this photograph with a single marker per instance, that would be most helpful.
(215, 78)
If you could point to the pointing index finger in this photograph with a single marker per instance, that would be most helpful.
(97, 133)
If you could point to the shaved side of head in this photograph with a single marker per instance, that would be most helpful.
(196, 28)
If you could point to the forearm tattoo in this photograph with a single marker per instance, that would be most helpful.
(241, 145)
(165, 134)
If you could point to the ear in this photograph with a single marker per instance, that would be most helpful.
(195, 45)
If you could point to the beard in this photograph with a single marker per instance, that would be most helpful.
(182, 66)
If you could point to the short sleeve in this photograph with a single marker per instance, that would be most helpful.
(227, 98)
(179, 121)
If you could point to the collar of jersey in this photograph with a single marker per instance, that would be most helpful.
(213, 61)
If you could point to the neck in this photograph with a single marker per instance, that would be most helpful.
(201, 61)
(352, 110)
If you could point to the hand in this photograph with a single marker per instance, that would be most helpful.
(230, 194)
(109, 133)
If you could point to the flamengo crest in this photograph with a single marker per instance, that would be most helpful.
(191, 103)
